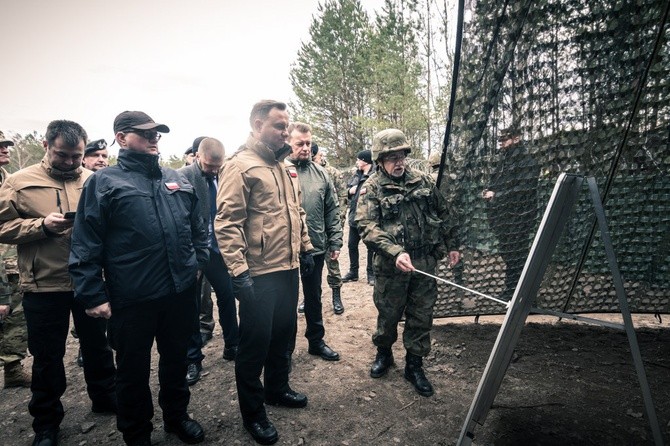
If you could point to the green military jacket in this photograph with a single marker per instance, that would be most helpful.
(318, 199)
(406, 215)
(340, 186)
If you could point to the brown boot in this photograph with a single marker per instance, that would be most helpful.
(15, 376)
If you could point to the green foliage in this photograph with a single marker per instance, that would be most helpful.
(174, 162)
(27, 150)
(356, 76)
(331, 76)
(395, 97)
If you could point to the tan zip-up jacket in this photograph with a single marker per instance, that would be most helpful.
(26, 198)
(260, 225)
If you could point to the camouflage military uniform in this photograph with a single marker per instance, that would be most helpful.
(334, 277)
(406, 215)
(13, 331)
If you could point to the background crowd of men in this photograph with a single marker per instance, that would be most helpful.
(254, 226)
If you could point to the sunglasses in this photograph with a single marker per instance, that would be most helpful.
(149, 135)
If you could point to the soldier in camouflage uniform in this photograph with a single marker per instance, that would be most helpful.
(334, 277)
(404, 218)
(13, 331)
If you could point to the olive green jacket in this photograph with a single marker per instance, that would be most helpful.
(318, 199)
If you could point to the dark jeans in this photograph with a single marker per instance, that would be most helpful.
(48, 321)
(352, 244)
(311, 289)
(267, 324)
(217, 275)
(132, 331)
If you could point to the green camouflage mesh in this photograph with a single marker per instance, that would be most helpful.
(586, 86)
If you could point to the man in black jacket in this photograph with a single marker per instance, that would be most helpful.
(140, 225)
(203, 175)
(356, 185)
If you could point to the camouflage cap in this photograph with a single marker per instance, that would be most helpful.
(388, 141)
(4, 141)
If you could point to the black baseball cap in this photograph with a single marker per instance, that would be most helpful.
(138, 120)
(196, 144)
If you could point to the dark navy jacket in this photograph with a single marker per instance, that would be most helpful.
(140, 224)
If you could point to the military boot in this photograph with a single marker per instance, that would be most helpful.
(383, 361)
(15, 376)
(338, 308)
(350, 276)
(414, 374)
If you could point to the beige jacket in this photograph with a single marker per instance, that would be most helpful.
(260, 225)
(26, 198)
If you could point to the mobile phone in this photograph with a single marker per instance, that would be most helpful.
(69, 215)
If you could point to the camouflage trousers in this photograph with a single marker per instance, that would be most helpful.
(411, 294)
(13, 332)
(334, 277)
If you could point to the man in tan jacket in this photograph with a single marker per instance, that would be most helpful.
(36, 214)
(261, 231)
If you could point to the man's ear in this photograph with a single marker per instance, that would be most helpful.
(45, 143)
(258, 125)
(120, 139)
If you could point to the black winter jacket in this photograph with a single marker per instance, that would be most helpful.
(141, 225)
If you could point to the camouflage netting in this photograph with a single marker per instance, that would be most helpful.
(566, 74)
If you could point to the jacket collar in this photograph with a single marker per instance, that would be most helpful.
(58, 174)
(267, 154)
(145, 163)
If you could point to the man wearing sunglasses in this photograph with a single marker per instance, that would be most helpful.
(139, 224)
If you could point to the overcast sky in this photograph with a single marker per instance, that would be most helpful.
(197, 65)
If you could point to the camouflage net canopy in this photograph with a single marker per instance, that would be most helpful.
(586, 87)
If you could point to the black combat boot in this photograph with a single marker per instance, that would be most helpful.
(383, 361)
(414, 374)
(338, 308)
(351, 276)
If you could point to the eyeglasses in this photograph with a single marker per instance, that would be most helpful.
(395, 159)
(149, 135)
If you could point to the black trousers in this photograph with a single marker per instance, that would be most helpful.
(267, 324)
(311, 289)
(48, 321)
(352, 244)
(218, 276)
(132, 330)
(219, 279)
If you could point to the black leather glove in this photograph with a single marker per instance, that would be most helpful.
(306, 263)
(243, 286)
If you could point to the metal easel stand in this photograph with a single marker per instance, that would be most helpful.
(560, 204)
